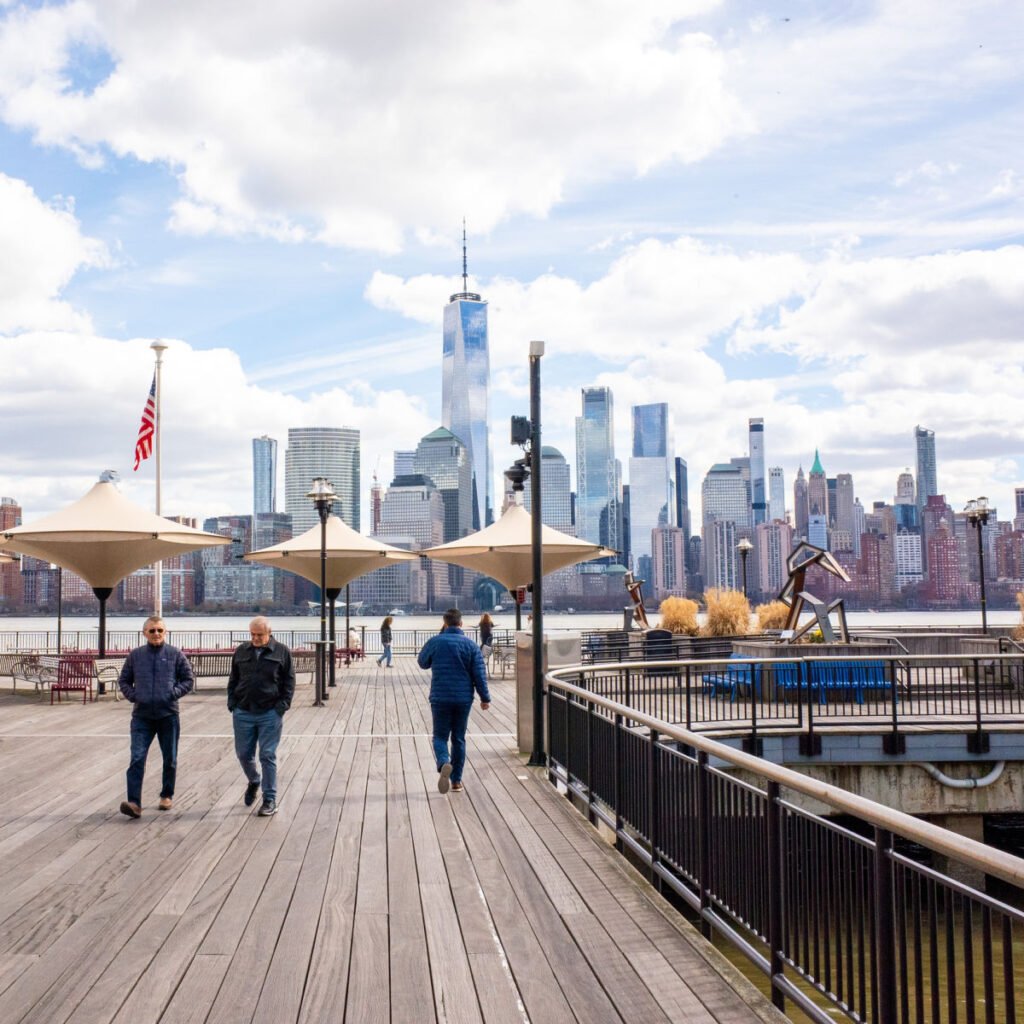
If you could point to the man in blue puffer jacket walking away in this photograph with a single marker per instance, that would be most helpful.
(154, 676)
(456, 671)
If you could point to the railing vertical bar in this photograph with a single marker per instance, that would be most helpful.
(885, 939)
(968, 930)
(653, 816)
(591, 815)
(986, 965)
(704, 832)
(776, 874)
(950, 908)
(1010, 1010)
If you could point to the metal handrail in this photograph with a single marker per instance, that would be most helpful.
(940, 840)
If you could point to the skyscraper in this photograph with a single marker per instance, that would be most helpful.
(465, 379)
(651, 501)
(845, 520)
(800, 504)
(725, 516)
(683, 505)
(817, 490)
(776, 494)
(444, 460)
(926, 476)
(597, 480)
(905, 489)
(264, 475)
(556, 491)
(758, 491)
(331, 452)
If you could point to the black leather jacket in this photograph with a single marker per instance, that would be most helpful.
(264, 682)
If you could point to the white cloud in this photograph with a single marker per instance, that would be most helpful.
(41, 248)
(74, 403)
(307, 122)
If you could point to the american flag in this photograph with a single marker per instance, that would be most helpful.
(144, 443)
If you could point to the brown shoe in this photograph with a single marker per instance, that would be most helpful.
(131, 810)
(165, 803)
(456, 787)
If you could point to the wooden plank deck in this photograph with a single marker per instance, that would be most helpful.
(369, 897)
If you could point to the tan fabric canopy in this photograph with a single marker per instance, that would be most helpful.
(349, 554)
(104, 537)
(504, 549)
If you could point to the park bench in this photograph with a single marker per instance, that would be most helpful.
(38, 669)
(827, 676)
(76, 673)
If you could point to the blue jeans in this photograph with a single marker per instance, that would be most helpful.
(262, 728)
(450, 721)
(166, 730)
(386, 656)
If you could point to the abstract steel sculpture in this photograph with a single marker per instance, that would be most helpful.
(803, 556)
(634, 587)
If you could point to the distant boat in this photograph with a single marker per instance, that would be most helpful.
(497, 608)
(397, 611)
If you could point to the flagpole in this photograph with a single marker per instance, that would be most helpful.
(158, 577)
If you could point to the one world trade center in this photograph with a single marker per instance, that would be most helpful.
(465, 380)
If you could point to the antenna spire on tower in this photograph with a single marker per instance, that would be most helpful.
(465, 274)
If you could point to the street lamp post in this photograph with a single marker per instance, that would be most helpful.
(60, 602)
(977, 515)
(538, 755)
(322, 496)
(744, 547)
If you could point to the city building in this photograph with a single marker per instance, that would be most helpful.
(331, 452)
(817, 494)
(598, 511)
(908, 559)
(651, 482)
(264, 475)
(442, 457)
(945, 582)
(404, 464)
(800, 511)
(725, 517)
(906, 493)
(845, 510)
(668, 562)
(683, 503)
(776, 494)
(11, 589)
(927, 486)
(1018, 508)
(773, 542)
(555, 491)
(465, 381)
(758, 484)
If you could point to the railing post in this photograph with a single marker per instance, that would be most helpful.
(689, 713)
(568, 752)
(653, 800)
(809, 743)
(885, 928)
(776, 874)
(591, 817)
(894, 743)
(704, 841)
(977, 742)
(617, 764)
(627, 701)
(752, 745)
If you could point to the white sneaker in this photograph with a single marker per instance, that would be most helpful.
(444, 778)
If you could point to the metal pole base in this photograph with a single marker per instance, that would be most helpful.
(538, 759)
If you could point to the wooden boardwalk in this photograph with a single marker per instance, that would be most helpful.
(369, 897)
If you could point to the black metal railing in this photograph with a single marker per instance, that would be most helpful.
(754, 697)
(836, 915)
(403, 641)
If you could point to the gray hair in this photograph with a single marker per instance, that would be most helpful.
(261, 624)
(453, 617)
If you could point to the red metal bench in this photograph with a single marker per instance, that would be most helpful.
(75, 673)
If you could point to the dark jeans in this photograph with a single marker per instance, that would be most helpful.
(166, 730)
(450, 721)
(263, 729)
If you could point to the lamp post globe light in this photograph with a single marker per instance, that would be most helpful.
(744, 547)
(977, 511)
(322, 495)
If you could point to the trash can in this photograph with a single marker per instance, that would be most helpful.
(563, 649)
(658, 646)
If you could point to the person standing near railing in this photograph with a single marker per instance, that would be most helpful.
(385, 641)
(486, 629)
(154, 676)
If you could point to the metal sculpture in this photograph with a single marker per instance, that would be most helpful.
(634, 588)
(801, 559)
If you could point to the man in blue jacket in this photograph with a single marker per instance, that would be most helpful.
(456, 671)
(154, 676)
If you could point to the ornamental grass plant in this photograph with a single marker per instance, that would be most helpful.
(1018, 632)
(728, 613)
(679, 614)
(772, 615)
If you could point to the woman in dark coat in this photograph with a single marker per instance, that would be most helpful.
(385, 641)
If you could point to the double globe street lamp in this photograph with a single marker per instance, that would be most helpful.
(977, 512)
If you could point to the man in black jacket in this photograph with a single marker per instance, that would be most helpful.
(153, 677)
(260, 690)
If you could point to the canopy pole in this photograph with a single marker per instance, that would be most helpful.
(538, 756)
(158, 569)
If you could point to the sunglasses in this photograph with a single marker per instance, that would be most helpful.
(154, 630)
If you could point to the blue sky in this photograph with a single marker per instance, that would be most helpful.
(812, 213)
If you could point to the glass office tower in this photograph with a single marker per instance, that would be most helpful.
(264, 475)
(598, 514)
(651, 481)
(465, 378)
(331, 452)
(927, 484)
(758, 495)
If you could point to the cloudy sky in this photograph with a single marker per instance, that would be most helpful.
(807, 211)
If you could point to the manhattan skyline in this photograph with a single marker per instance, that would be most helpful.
(829, 238)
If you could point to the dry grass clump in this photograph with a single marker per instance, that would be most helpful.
(679, 614)
(772, 615)
(728, 613)
(1018, 633)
